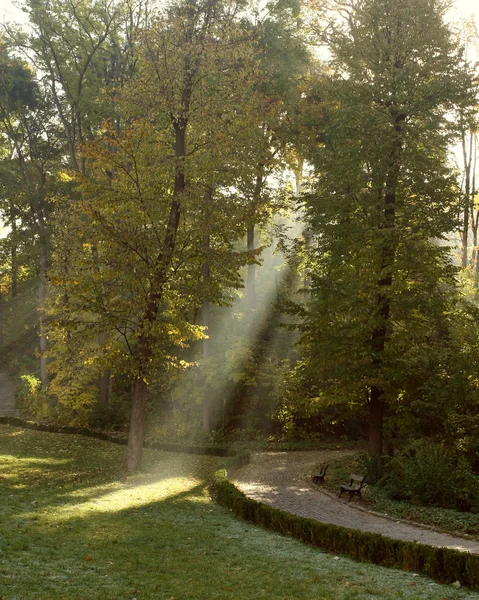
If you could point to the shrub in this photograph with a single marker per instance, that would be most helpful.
(374, 467)
(443, 564)
(429, 474)
(31, 397)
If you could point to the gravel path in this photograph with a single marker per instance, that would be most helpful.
(282, 479)
(7, 398)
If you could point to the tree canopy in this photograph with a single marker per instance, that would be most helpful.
(147, 155)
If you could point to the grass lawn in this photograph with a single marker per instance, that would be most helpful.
(376, 499)
(74, 528)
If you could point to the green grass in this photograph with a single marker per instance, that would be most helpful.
(376, 499)
(74, 528)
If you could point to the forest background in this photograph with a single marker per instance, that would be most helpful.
(231, 221)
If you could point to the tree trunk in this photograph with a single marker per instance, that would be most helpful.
(207, 426)
(298, 178)
(104, 377)
(475, 214)
(13, 251)
(251, 285)
(474, 248)
(307, 235)
(104, 390)
(381, 332)
(465, 232)
(136, 432)
(36, 205)
(14, 269)
(378, 344)
(152, 306)
(376, 414)
(467, 196)
(251, 289)
(298, 184)
(42, 294)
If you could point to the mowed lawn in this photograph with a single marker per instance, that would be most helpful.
(74, 527)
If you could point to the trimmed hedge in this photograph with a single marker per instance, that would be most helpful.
(442, 564)
(117, 439)
(237, 461)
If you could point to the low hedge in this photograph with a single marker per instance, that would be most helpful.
(442, 564)
(237, 461)
(118, 439)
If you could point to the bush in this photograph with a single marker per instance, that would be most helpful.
(443, 564)
(429, 474)
(32, 398)
(374, 467)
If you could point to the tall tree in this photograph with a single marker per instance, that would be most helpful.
(284, 60)
(26, 120)
(85, 52)
(188, 112)
(383, 192)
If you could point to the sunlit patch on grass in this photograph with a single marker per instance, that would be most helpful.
(81, 529)
(25, 462)
(104, 499)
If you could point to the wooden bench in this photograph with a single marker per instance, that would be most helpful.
(353, 488)
(319, 476)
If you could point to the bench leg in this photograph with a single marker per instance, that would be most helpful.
(354, 493)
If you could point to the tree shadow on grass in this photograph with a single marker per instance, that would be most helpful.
(38, 472)
(131, 547)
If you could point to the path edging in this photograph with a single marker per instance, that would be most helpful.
(445, 565)
(118, 439)
(442, 564)
(375, 513)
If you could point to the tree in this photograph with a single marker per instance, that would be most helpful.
(467, 127)
(284, 60)
(26, 121)
(382, 201)
(85, 52)
(137, 236)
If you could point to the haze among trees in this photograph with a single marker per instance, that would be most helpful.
(239, 219)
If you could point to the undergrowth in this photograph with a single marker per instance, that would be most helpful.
(376, 499)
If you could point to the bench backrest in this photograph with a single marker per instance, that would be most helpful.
(359, 479)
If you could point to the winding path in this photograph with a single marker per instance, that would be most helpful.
(7, 398)
(282, 480)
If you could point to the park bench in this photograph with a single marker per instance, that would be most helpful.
(353, 488)
(319, 476)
